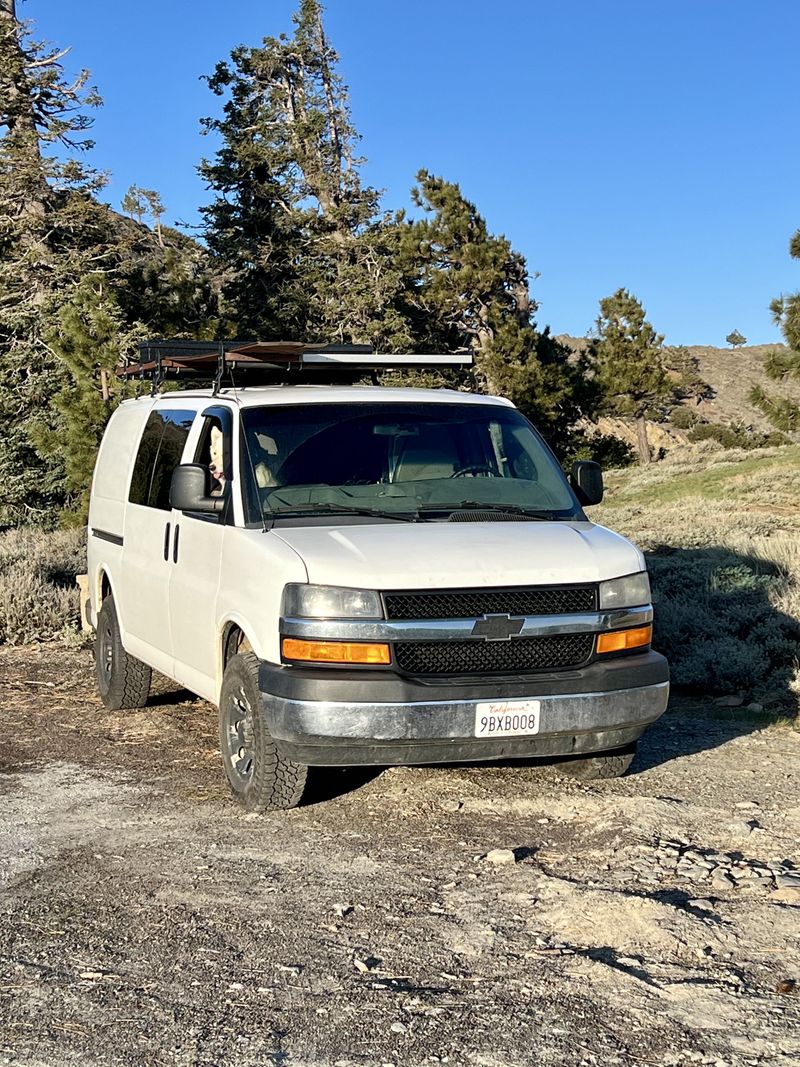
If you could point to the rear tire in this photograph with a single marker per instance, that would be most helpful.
(593, 768)
(122, 680)
(260, 778)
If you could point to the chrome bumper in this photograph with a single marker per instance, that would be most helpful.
(321, 732)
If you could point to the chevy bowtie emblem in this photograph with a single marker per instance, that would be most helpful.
(497, 627)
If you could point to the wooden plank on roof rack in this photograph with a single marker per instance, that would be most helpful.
(202, 359)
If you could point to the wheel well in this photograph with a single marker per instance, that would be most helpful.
(105, 587)
(234, 640)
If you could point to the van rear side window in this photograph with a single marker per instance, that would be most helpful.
(160, 452)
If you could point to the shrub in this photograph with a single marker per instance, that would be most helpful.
(683, 418)
(38, 596)
(737, 436)
(722, 622)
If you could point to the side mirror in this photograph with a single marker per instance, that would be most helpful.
(190, 490)
(587, 481)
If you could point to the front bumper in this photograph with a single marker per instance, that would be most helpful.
(335, 718)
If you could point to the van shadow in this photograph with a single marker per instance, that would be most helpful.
(330, 783)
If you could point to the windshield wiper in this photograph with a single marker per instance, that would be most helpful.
(343, 509)
(504, 509)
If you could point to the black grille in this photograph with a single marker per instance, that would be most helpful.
(494, 657)
(472, 603)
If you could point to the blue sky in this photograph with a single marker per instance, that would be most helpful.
(649, 144)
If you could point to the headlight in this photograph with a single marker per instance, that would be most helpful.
(629, 592)
(330, 602)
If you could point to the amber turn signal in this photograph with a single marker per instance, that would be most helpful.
(623, 639)
(335, 651)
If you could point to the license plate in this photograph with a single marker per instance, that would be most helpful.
(507, 718)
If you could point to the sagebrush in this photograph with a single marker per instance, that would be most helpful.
(39, 599)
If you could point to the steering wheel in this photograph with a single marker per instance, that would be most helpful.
(475, 468)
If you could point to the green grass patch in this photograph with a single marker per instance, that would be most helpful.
(671, 482)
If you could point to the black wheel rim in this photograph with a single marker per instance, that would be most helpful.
(105, 655)
(240, 738)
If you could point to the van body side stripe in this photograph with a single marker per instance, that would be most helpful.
(104, 535)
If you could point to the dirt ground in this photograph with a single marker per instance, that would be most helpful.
(144, 919)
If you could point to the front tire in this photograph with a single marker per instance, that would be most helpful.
(122, 680)
(260, 778)
(593, 768)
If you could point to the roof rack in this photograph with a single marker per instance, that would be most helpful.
(270, 361)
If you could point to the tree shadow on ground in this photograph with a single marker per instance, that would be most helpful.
(718, 623)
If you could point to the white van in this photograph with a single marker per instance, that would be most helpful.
(366, 575)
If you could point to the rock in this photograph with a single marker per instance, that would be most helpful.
(746, 804)
(729, 702)
(701, 903)
(721, 880)
(451, 805)
(739, 830)
(398, 1028)
(342, 909)
(785, 896)
(788, 881)
(696, 874)
(755, 707)
(369, 963)
(500, 857)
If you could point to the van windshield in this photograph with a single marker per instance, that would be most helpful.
(399, 460)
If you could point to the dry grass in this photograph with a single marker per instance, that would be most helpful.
(38, 596)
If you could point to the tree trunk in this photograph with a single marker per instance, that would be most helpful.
(642, 442)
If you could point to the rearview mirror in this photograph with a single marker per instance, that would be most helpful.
(190, 489)
(587, 481)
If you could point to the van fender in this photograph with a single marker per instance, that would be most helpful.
(239, 622)
(103, 575)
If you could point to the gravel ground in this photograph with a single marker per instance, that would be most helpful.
(490, 915)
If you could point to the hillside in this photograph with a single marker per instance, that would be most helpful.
(731, 374)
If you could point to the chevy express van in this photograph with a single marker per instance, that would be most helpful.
(366, 575)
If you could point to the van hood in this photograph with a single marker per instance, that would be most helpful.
(451, 555)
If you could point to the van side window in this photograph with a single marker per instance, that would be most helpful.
(213, 451)
(160, 452)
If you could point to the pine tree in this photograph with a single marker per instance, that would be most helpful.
(736, 339)
(91, 338)
(134, 204)
(467, 288)
(629, 364)
(45, 199)
(304, 248)
(54, 234)
(783, 412)
(138, 203)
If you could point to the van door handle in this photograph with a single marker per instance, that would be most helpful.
(175, 544)
(166, 541)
